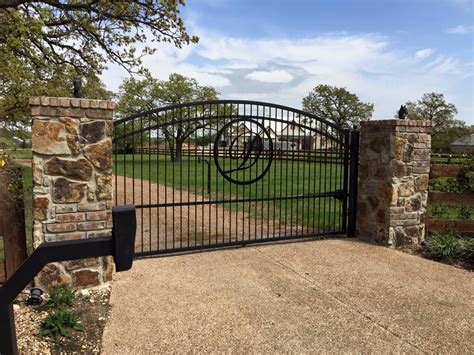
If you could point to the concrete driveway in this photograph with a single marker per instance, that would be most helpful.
(325, 295)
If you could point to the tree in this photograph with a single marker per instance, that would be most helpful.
(142, 95)
(18, 83)
(44, 44)
(85, 34)
(441, 143)
(433, 106)
(338, 105)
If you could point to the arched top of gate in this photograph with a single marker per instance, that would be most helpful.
(232, 102)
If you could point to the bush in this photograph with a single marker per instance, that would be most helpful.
(60, 297)
(445, 246)
(59, 323)
(468, 249)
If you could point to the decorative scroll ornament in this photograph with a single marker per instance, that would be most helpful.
(245, 148)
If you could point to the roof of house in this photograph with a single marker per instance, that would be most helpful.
(465, 141)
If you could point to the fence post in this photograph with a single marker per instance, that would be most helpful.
(72, 179)
(393, 181)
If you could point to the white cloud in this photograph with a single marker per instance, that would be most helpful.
(424, 53)
(461, 29)
(273, 76)
(284, 71)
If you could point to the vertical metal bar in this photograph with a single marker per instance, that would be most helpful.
(180, 162)
(141, 176)
(149, 184)
(8, 343)
(354, 171)
(116, 151)
(345, 180)
(188, 178)
(173, 160)
(165, 160)
(157, 162)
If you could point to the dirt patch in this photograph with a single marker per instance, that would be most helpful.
(92, 307)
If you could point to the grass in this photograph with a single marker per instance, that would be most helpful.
(284, 178)
(20, 153)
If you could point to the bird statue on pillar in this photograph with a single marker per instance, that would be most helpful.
(77, 82)
(403, 112)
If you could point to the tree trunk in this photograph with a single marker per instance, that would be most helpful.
(179, 149)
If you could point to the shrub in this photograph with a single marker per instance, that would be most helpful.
(60, 323)
(446, 245)
(60, 297)
(464, 213)
(468, 249)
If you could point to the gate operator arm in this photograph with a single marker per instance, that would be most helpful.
(120, 245)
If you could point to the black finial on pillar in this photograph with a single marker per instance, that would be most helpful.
(77, 82)
(403, 112)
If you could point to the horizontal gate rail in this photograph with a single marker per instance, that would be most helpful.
(240, 243)
(336, 194)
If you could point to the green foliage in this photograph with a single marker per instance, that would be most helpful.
(441, 143)
(466, 177)
(433, 106)
(60, 323)
(445, 246)
(449, 245)
(87, 34)
(44, 44)
(464, 213)
(468, 249)
(337, 105)
(60, 297)
(142, 95)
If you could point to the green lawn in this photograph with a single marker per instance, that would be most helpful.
(20, 153)
(284, 178)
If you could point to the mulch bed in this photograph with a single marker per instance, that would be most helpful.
(91, 306)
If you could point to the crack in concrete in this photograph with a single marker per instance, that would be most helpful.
(315, 285)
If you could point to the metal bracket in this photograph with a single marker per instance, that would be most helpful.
(120, 246)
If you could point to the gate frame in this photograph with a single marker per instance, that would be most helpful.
(348, 140)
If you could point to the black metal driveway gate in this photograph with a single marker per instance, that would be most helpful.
(219, 173)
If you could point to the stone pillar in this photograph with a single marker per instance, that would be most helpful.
(72, 183)
(393, 181)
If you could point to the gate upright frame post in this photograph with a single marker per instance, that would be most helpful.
(353, 181)
(345, 181)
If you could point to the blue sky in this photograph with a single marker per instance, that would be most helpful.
(385, 51)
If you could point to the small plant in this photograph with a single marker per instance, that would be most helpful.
(464, 213)
(60, 323)
(468, 249)
(446, 245)
(60, 297)
(436, 211)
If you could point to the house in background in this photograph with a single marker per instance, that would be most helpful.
(463, 146)
(298, 138)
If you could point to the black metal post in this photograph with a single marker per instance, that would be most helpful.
(353, 180)
(62, 251)
(346, 180)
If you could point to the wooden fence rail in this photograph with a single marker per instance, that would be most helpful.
(449, 198)
(330, 157)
